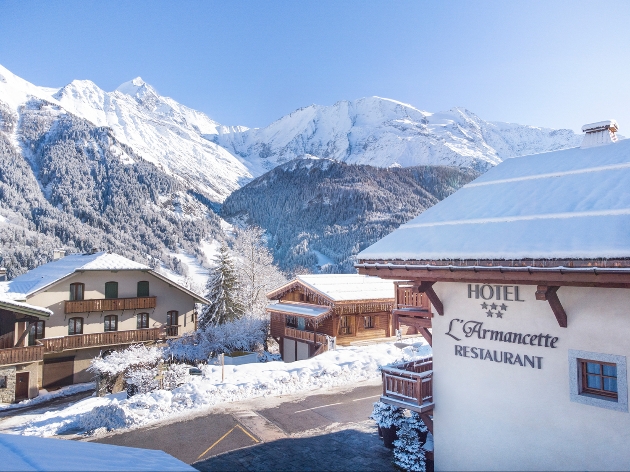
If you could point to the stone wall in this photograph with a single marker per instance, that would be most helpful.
(7, 395)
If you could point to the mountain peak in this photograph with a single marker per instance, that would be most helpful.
(135, 87)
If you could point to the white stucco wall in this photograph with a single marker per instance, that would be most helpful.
(497, 416)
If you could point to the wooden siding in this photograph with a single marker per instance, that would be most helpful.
(21, 355)
(109, 304)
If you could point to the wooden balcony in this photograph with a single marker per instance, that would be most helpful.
(109, 304)
(307, 336)
(409, 385)
(110, 338)
(21, 355)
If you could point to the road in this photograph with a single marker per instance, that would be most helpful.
(321, 431)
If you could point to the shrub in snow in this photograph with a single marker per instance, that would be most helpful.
(244, 334)
(408, 451)
(136, 357)
(386, 415)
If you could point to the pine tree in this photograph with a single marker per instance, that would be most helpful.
(223, 292)
(408, 452)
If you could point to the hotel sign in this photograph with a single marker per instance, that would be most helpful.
(459, 329)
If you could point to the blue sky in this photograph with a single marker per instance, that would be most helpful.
(546, 63)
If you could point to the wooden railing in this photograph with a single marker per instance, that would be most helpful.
(409, 385)
(109, 304)
(407, 298)
(305, 335)
(7, 340)
(21, 355)
(109, 338)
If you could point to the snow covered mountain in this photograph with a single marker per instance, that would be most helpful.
(382, 132)
(158, 129)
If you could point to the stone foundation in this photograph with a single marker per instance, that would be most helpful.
(7, 395)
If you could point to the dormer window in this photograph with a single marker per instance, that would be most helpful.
(111, 289)
(76, 291)
(143, 289)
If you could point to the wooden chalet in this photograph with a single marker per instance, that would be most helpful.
(313, 311)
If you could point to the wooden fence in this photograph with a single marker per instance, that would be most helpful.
(102, 339)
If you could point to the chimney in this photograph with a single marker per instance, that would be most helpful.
(600, 133)
(58, 254)
(3, 274)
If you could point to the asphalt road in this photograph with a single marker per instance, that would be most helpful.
(328, 431)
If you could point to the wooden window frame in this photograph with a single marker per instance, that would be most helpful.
(140, 295)
(169, 318)
(584, 389)
(290, 321)
(74, 318)
(368, 322)
(109, 318)
(33, 335)
(110, 284)
(345, 325)
(74, 292)
(140, 321)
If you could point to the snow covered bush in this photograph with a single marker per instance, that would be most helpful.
(408, 451)
(386, 415)
(109, 368)
(244, 334)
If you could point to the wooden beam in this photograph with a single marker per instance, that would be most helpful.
(427, 335)
(428, 421)
(427, 287)
(24, 334)
(413, 321)
(549, 294)
(560, 278)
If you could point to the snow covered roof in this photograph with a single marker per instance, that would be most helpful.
(41, 277)
(24, 308)
(300, 309)
(46, 274)
(46, 454)
(569, 204)
(343, 287)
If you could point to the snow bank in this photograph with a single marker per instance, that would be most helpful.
(45, 396)
(345, 366)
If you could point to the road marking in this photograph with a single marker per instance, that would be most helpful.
(365, 398)
(226, 435)
(316, 407)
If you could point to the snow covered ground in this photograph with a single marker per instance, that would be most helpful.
(45, 395)
(345, 366)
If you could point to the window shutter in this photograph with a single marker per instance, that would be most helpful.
(143, 289)
(111, 289)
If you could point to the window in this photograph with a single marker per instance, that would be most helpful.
(111, 289)
(143, 289)
(345, 325)
(301, 324)
(291, 321)
(111, 323)
(75, 326)
(142, 320)
(3, 381)
(368, 322)
(171, 318)
(598, 378)
(37, 332)
(76, 291)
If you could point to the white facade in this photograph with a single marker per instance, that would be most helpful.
(503, 416)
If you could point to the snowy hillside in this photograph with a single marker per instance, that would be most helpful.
(383, 133)
(158, 129)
